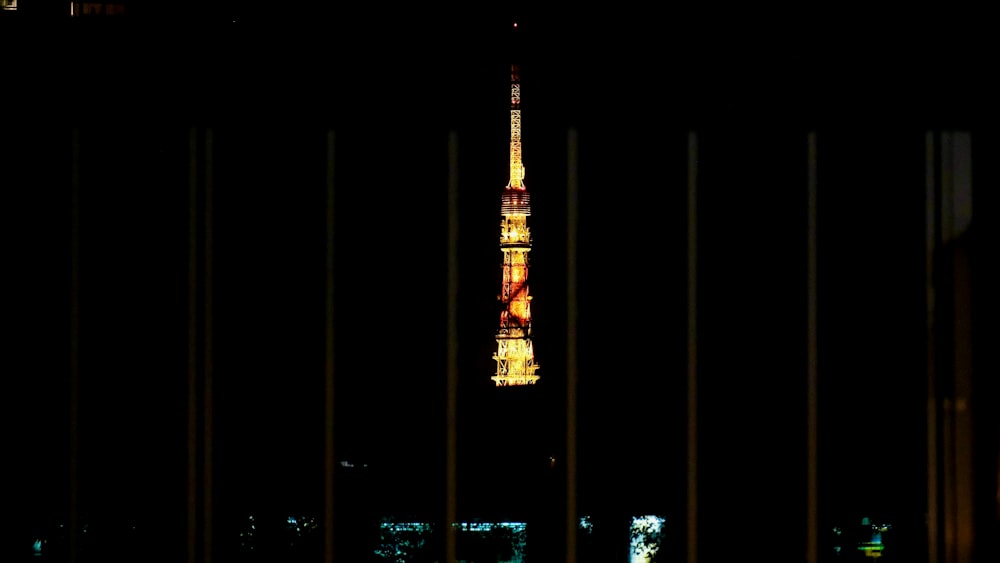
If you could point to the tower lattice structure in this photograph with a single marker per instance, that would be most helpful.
(515, 355)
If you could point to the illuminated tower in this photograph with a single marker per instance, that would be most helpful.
(515, 355)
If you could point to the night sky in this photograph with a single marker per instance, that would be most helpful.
(392, 88)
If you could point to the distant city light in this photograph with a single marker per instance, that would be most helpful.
(646, 535)
(400, 542)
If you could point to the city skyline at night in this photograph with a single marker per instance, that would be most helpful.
(231, 245)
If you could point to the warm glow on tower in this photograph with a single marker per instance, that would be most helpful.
(515, 355)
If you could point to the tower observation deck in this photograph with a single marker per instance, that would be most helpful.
(515, 354)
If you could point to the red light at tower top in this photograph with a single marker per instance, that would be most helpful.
(515, 25)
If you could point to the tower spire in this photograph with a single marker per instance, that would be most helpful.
(515, 354)
(516, 167)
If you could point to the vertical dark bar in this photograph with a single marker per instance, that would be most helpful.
(207, 499)
(572, 216)
(692, 350)
(812, 363)
(930, 244)
(328, 453)
(451, 412)
(961, 148)
(956, 217)
(192, 349)
(948, 469)
(74, 350)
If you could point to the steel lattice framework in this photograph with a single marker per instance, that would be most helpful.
(515, 355)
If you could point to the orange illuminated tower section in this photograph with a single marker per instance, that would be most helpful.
(515, 355)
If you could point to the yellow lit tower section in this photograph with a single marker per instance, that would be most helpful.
(515, 355)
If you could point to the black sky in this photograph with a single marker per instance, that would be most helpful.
(270, 87)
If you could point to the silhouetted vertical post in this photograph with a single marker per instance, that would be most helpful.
(930, 245)
(812, 362)
(451, 406)
(74, 350)
(199, 348)
(692, 349)
(572, 215)
(949, 500)
(207, 356)
(956, 218)
(192, 350)
(328, 452)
